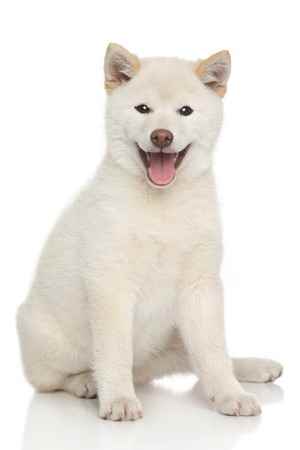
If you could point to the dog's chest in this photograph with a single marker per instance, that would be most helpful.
(167, 229)
(158, 237)
(159, 250)
(162, 243)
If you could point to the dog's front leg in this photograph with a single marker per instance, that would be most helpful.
(201, 322)
(111, 316)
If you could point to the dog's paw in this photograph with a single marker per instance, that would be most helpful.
(81, 385)
(239, 405)
(257, 370)
(266, 371)
(124, 408)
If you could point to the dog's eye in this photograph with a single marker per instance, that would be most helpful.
(143, 109)
(185, 110)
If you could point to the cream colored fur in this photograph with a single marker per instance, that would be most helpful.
(128, 285)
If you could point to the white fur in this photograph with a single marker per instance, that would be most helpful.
(128, 286)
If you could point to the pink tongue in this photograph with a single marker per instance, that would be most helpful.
(161, 169)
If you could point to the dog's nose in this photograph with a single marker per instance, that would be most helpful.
(162, 138)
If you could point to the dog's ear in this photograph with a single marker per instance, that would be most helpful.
(119, 66)
(214, 71)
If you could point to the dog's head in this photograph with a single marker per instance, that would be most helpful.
(163, 114)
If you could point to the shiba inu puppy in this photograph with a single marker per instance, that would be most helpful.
(128, 285)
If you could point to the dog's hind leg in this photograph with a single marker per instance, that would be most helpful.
(256, 370)
(81, 385)
(51, 362)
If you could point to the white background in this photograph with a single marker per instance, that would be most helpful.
(51, 119)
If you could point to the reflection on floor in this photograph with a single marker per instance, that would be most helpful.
(174, 416)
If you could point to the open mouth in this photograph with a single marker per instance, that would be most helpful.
(161, 167)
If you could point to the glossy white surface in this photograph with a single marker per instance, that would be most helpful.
(175, 417)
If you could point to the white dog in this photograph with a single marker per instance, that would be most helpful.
(128, 287)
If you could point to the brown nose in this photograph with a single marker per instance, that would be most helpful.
(162, 138)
